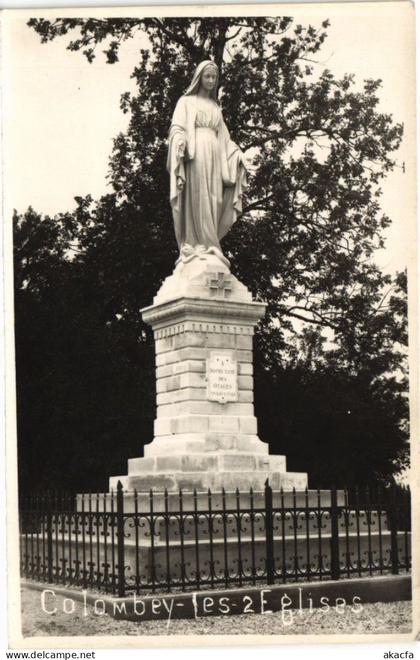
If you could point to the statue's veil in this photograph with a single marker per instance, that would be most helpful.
(195, 82)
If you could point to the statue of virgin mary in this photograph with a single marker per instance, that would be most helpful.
(207, 170)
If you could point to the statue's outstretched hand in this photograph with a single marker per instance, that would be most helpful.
(180, 183)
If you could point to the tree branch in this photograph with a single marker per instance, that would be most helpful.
(323, 322)
(259, 204)
(180, 38)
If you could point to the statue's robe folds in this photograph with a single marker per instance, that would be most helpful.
(212, 168)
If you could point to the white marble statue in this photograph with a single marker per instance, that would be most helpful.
(207, 170)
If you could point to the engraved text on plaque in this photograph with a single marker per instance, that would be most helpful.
(222, 378)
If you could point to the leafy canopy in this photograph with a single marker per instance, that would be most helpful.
(318, 149)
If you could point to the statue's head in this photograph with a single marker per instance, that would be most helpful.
(206, 75)
(209, 78)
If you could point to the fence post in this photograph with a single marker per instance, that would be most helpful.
(269, 533)
(120, 545)
(393, 528)
(335, 551)
(49, 539)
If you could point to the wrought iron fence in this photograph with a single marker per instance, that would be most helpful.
(123, 542)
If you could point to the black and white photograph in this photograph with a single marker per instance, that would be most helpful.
(210, 272)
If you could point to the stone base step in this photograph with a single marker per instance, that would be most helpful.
(217, 469)
(184, 444)
(220, 461)
(173, 481)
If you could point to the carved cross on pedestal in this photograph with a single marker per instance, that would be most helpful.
(220, 284)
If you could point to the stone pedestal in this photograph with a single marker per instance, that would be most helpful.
(205, 432)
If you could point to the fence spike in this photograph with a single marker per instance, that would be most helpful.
(269, 539)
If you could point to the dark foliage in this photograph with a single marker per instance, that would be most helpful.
(329, 356)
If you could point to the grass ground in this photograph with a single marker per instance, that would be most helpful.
(379, 618)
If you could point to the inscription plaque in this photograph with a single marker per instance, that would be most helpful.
(222, 378)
